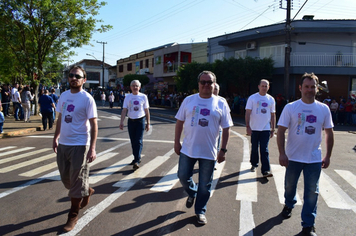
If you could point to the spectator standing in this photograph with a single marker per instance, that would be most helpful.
(136, 107)
(305, 118)
(348, 111)
(260, 119)
(2, 120)
(111, 99)
(201, 115)
(121, 99)
(341, 114)
(15, 107)
(5, 99)
(46, 104)
(54, 96)
(333, 109)
(26, 98)
(103, 98)
(75, 142)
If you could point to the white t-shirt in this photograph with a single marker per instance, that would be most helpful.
(305, 123)
(202, 118)
(261, 108)
(76, 110)
(136, 105)
(13, 92)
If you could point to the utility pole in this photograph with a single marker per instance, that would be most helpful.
(287, 49)
(103, 43)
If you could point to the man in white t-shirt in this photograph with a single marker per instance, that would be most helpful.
(75, 141)
(305, 118)
(201, 115)
(260, 122)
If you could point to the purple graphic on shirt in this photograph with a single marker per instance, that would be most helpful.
(70, 108)
(311, 119)
(263, 111)
(265, 104)
(136, 102)
(205, 112)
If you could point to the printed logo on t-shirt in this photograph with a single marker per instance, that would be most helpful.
(204, 122)
(311, 119)
(310, 130)
(261, 107)
(301, 121)
(205, 112)
(302, 118)
(70, 108)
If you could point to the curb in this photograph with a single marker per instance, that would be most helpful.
(19, 132)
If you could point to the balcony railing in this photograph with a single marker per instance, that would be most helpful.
(339, 60)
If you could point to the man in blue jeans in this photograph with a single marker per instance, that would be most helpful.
(201, 115)
(305, 118)
(260, 123)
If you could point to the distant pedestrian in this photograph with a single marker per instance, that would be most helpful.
(121, 98)
(306, 119)
(74, 142)
(54, 96)
(26, 98)
(137, 109)
(111, 99)
(46, 104)
(260, 122)
(103, 98)
(2, 120)
(5, 99)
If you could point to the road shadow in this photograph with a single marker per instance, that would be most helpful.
(265, 227)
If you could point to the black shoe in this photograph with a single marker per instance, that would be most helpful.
(190, 202)
(133, 162)
(310, 231)
(286, 212)
(253, 168)
(135, 166)
(267, 174)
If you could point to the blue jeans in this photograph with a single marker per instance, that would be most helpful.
(136, 128)
(311, 174)
(1, 125)
(5, 108)
(18, 108)
(260, 138)
(199, 191)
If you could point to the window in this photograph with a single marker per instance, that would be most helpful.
(129, 66)
(240, 54)
(146, 63)
(275, 52)
(218, 56)
(158, 60)
(121, 68)
(141, 64)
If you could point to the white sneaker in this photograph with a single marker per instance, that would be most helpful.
(202, 219)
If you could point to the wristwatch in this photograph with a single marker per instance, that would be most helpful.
(223, 149)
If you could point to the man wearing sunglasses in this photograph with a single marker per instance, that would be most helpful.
(75, 141)
(201, 116)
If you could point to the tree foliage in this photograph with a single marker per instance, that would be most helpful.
(130, 77)
(239, 72)
(38, 33)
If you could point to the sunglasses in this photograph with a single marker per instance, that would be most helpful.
(204, 82)
(76, 76)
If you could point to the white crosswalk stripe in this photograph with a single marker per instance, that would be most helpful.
(348, 177)
(26, 163)
(5, 148)
(27, 154)
(15, 151)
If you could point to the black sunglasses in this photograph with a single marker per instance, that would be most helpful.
(71, 75)
(204, 82)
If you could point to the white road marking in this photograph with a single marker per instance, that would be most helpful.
(217, 173)
(27, 154)
(247, 184)
(333, 195)
(39, 170)
(348, 176)
(247, 223)
(246, 147)
(166, 183)
(8, 147)
(26, 163)
(111, 117)
(278, 176)
(124, 185)
(15, 151)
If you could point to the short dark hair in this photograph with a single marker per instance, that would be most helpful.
(207, 72)
(79, 68)
(309, 76)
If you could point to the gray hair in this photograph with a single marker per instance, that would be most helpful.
(136, 82)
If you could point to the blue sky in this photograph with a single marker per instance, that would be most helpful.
(141, 24)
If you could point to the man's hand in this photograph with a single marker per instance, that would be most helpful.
(55, 145)
(248, 131)
(325, 162)
(283, 160)
(91, 156)
(177, 148)
(121, 126)
(221, 156)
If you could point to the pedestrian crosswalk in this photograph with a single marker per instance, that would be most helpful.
(43, 160)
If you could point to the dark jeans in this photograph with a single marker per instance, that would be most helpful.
(136, 128)
(18, 109)
(47, 116)
(260, 138)
(5, 108)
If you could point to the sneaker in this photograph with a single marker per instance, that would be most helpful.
(267, 174)
(190, 202)
(201, 219)
(310, 231)
(253, 168)
(132, 162)
(286, 212)
(135, 166)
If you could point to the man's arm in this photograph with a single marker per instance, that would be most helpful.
(177, 134)
(91, 156)
(57, 133)
(273, 123)
(148, 118)
(247, 121)
(224, 140)
(123, 115)
(283, 159)
(329, 139)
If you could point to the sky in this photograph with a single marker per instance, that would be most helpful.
(139, 25)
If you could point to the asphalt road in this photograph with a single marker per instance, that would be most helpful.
(151, 201)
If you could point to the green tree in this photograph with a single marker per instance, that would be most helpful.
(36, 29)
(130, 77)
